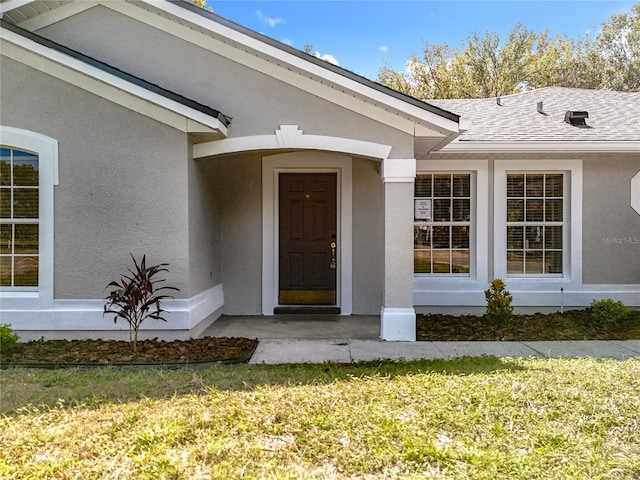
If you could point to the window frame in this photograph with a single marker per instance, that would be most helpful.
(447, 223)
(14, 221)
(572, 222)
(463, 290)
(36, 298)
(544, 223)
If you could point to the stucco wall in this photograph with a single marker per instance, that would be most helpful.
(240, 186)
(205, 264)
(258, 103)
(611, 228)
(123, 179)
(398, 246)
(368, 237)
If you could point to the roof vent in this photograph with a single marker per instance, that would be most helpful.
(577, 119)
(498, 101)
(539, 108)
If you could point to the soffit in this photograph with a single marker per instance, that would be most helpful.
(19, 11)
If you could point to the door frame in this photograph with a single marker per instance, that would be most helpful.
(306, 162)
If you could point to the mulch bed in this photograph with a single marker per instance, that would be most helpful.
(117, 352)
(570, 325)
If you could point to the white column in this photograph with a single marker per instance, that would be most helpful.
(398, 317)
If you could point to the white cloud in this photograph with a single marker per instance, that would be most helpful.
(269, 21)
(327, 58)
(383, 48)
(287, 41)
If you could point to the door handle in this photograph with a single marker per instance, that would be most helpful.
(333, 264)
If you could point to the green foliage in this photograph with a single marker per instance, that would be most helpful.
(609, 311)
(617, 51)
(202, 4)
(498, 310)
(8, 338)
(137, 297)
(491, 66)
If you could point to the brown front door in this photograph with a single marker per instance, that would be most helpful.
(307, 220)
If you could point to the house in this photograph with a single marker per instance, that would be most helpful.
(273, 181)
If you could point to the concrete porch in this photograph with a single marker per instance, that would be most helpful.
(355, 338)
(297, 326)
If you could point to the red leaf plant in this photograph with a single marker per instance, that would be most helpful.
(137, 296)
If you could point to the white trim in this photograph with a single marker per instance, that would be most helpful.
(576, 298)
(398, 324)
(572, 266)
(311, 162)
(398, 170)
(548, 298)
(467, 146)
(291, 136)
(108, 86)
(47, 150)
(442, 289)
(86, 315)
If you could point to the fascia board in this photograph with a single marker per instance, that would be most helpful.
(238, 40)
(117, 90)
(565, 147)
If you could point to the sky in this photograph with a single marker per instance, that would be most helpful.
(366, 35)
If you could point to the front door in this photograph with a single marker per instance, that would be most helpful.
(307, 236)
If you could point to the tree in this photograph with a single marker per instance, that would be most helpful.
(617, 50)
(202, 4)
(486, 66)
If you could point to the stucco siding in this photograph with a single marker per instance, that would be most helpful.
(398, 244)
(611, 233)
(258, 103)
(240, 183)
(205, 226)
(368, 237)
(122, 182)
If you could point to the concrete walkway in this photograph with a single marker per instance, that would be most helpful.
(346, 339)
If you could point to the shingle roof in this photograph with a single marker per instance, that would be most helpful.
(613, 116)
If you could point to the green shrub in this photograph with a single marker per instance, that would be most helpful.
(8, 338)
(498, 310)
(609, 311)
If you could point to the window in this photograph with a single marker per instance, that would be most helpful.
(535, 223)
(28, 175)
(19, 218)
(442, 223)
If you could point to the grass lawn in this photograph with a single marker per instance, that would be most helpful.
(476, 418)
